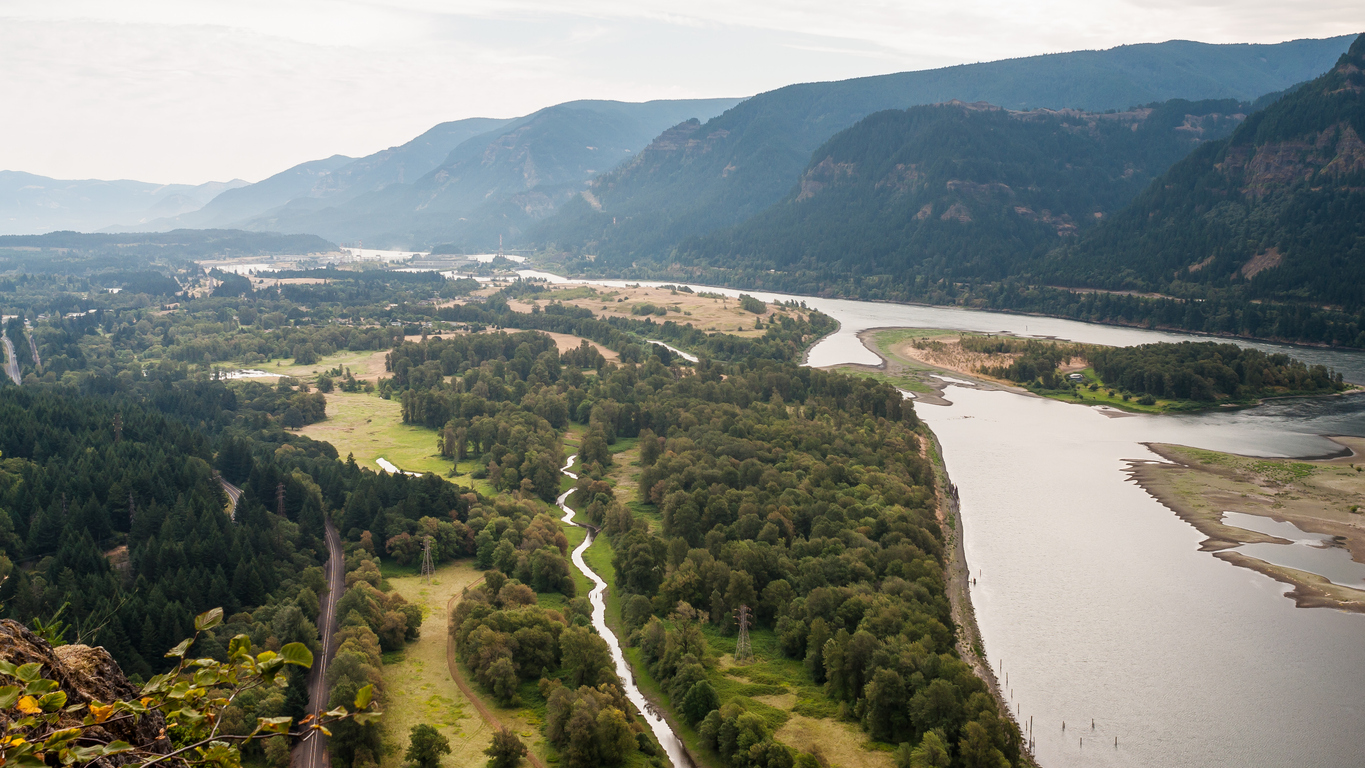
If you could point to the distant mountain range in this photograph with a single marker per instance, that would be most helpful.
(31, 204)
(632, 181)
(704, 176)
(494, 183)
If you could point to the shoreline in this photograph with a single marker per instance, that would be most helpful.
(1012, 313)
(970, 646)
(1199, 486)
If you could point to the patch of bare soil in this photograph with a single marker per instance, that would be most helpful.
(1317, 496)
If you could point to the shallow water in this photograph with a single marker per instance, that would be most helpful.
(1313, 552)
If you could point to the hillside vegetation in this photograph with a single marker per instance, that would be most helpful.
(951, 191)
(702, 176)
(1275, 211)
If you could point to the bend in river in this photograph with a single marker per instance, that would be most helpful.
(598, 597)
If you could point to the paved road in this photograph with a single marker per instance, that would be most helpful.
(312, 752)
(233, 493)
(11, 362)
(33, 345)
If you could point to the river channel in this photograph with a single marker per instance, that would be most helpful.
(1095, 600)
(598, 598)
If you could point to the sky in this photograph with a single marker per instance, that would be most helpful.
(188, 91)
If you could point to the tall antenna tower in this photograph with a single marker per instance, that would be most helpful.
(279, 499)
(428, 570)
(743, 651)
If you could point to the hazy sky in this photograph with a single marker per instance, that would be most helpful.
(191, 90)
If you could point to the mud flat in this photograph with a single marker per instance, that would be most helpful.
(1318, 496)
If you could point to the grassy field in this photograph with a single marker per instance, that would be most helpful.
(371, 427)
(418, 680)
(368, 365)
(706, 312)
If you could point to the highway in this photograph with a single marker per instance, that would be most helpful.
(233, 493)
(11, 362)
(312, 752)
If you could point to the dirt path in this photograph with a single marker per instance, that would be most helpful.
(463, 685)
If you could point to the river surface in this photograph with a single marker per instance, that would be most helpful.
(1093, 599)
(598, 597)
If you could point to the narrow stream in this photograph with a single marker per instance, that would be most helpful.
(598, 597)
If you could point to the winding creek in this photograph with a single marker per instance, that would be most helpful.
(672, 745)
(1093, 599)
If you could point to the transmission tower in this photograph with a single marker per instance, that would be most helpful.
(427, 568)
(279, 499)
(743, 652)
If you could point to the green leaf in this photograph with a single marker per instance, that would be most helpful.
(9, 696)
(239, 644)
(365, 718)
(117, 747)
(39, 687)
(208, 619)
(29, 672)
(7, 668)
(53, 701)
(178, 652)
(297, 654)
(275, 724)
(363, 696)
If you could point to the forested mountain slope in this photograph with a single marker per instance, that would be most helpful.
(700, 177)
(1275, 211)
(335, 179)
(499, 181)
(954, 190)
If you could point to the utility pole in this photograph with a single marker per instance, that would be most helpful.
(428, 570)
(743, 651)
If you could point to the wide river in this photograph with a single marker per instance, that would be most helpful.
(1095, 600)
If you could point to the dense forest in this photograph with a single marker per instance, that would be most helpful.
(800, 494)
(1208, 372)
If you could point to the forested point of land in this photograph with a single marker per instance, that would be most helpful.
(1204, 373)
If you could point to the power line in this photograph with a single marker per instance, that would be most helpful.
(743, 651)
(428, 570)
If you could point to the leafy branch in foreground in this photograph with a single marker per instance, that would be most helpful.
(40, 730)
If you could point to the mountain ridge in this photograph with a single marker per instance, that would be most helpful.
(739, 163)
(1275, 211)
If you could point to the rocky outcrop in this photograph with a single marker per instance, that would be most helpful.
(86, 674)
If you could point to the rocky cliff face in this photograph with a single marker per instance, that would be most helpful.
(86, 674)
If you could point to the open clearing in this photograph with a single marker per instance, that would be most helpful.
(367, 365)
(418, 680)
(708, 313)
(371, 427)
